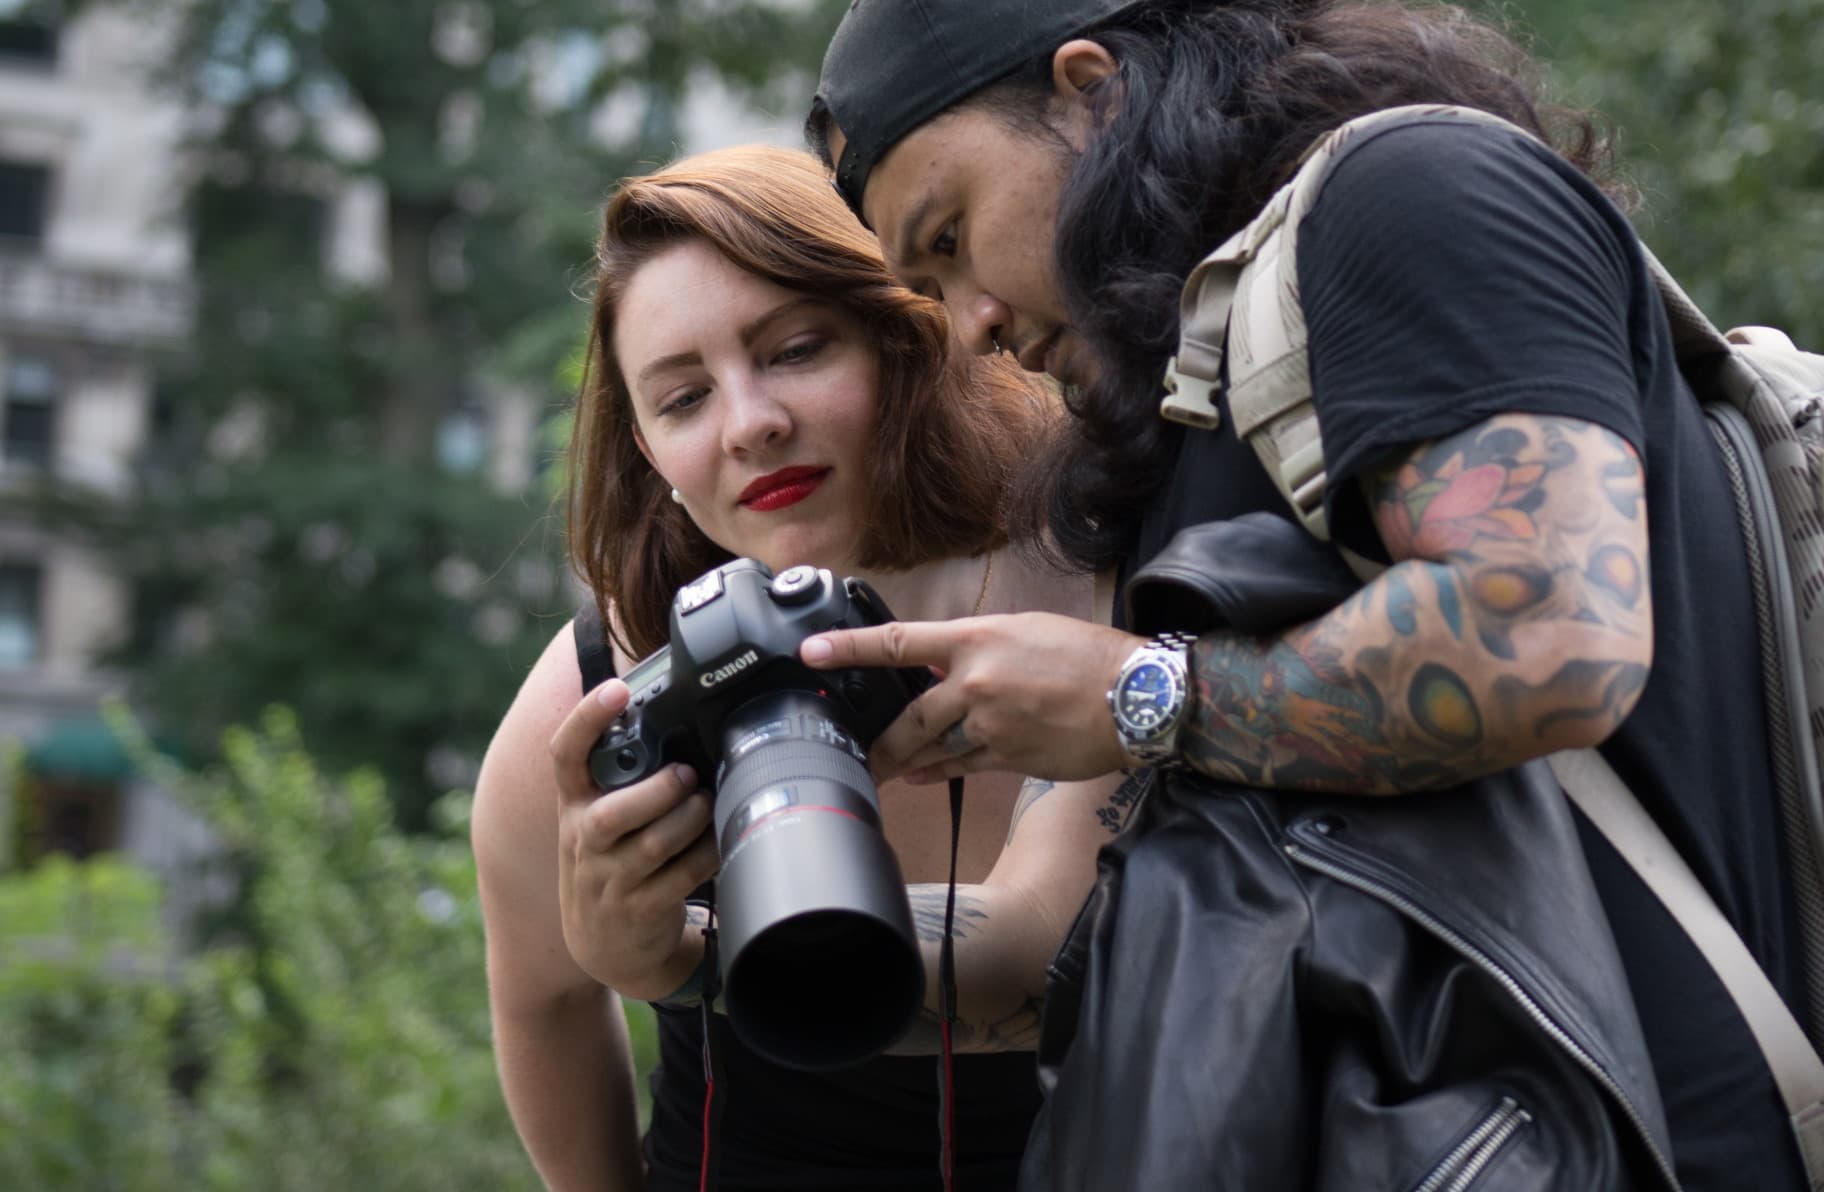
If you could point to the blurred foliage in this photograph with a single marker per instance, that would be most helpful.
(333, 1032)
(313, 522)
(1719, 121)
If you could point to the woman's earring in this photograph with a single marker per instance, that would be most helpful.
(677, 497)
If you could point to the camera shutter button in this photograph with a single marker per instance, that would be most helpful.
(795, 585)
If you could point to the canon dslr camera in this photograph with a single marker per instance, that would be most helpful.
(820, 965)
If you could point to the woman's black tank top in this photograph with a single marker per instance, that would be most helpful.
(870, 1127)
(874, 1126)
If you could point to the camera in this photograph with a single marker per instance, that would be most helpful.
(820, 964)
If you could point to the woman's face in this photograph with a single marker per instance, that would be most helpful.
(757, 403)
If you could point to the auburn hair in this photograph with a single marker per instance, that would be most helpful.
(950, 429)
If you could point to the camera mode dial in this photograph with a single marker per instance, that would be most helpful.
(795, 585)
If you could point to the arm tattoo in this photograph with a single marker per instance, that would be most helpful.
(1121, 803)
(1031, 791)
(1017, 1030)
(928, 901)
(1517, 617)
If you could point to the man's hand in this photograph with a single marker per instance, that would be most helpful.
(1026, 693)
(627, 859)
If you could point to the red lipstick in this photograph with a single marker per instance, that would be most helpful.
(778, 490)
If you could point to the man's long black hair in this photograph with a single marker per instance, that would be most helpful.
(1210, 110)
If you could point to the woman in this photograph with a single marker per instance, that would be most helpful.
(1478, 310)
(759, 386)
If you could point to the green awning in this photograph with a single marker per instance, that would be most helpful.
(79, 749)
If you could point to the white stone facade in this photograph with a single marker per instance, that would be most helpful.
(103, 280)
(94, 274)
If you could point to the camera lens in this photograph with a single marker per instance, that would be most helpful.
(822, 968)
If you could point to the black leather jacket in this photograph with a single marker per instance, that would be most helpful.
(1275, 991)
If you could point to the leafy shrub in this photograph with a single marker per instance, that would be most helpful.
(332, 1031)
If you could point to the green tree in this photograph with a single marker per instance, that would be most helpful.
(1720, 126)
(336, 1035)
(296, 535)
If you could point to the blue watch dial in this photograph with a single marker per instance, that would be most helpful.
(1148, 696)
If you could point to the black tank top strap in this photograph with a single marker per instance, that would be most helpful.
(593, 656)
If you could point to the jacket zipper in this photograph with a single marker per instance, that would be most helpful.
(1501, 976)
(1467, 1159)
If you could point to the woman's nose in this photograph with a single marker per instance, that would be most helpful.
(756, 418)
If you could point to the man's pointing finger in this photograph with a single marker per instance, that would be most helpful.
(897, 643)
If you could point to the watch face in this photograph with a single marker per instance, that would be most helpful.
(1149, 695)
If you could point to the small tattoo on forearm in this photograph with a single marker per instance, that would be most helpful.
(1031, 791)
(1120, 807)
(928, 902)
(1017, 1030)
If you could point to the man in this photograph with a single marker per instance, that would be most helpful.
(1502, 418)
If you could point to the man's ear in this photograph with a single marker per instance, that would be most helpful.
(1079, 65)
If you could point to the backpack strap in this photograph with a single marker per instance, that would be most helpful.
(1693, 334)
(1243, 300)
(1242, 303)
(1798, 1072)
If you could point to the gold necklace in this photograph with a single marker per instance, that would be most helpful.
(987, 571)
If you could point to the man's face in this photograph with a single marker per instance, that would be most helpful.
(966, 210)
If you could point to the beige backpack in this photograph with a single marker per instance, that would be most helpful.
(1765, 403)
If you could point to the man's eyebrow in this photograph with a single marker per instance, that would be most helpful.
(909, 248)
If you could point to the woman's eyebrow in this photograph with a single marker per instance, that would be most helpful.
(675, 360)
(749, 332)
(752, 330)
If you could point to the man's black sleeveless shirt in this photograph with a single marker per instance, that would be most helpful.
(1450, 274)
(871, 1127)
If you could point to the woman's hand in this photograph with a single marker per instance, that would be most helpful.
(627, 859)
(1026, 693)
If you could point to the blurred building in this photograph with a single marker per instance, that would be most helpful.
(93, 282)
(95, 260)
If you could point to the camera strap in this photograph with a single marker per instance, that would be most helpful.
(708, 1171)
(946, 1003)
(713, 1073)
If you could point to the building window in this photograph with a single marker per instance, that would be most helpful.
(25, 38)
(30, 408)
(20, 624)
(23, 186)
(463, 439)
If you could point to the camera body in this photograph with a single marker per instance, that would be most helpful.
(820, 964)
(735, 633)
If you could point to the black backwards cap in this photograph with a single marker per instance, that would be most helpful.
(894, 64)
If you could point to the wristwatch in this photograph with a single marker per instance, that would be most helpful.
(1151, 698)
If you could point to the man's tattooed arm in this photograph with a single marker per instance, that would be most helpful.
(1516, 621)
